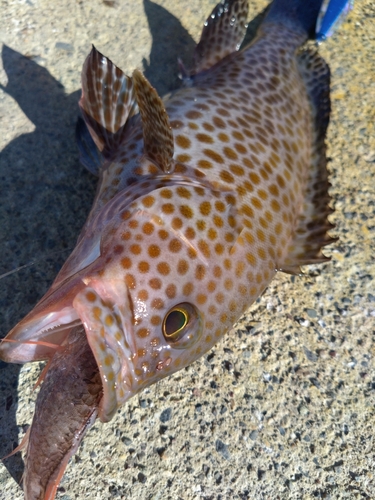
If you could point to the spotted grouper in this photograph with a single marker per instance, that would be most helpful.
(202, 198)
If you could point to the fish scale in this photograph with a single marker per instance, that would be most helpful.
(202, 198)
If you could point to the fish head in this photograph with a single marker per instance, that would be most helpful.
(151, 302)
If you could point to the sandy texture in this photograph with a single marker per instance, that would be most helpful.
(283, 407)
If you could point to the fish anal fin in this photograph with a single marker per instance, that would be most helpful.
(311, 233)
(222, 34)
(157, 131)
(107, 101)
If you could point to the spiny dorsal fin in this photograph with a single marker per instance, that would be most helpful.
(157, 131)
(107, 101)
(312, 230)
(222, 34)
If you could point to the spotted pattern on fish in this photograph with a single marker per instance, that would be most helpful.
(202, 198)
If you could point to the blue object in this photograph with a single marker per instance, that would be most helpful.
(331, 16)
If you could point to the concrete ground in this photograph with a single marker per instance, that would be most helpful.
(283, 407)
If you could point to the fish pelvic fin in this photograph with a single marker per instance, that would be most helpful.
(311, 234)
(107, 103)
(157, 131)
(89, 154)
(223, 32)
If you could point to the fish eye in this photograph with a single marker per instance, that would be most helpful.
(182, 325)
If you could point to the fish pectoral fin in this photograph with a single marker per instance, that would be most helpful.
(107, 102)
(222, 34)
(89, 154)
(157, 131)
(311, 233)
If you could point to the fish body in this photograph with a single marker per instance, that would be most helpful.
(202, 198)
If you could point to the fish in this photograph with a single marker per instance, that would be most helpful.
(202, 198)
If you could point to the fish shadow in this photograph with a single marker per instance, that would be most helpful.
(46, 193)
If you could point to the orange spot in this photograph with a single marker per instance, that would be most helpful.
(176, 223)
(144, 266)
(130, 281)
(182, 267)
(218, 122)
(163, 234)
(157, 304)
(154, 251)
(171, 291)
(213, 155)
(155, 283)
(205, 208)
(163, 268)
(136, 249)
(187, 288)
(148, 228)
(223, 137)
(256, 203)
(126, 235)
(166, 193)
(261, 236)
(96, 312)
(275, 205)
(219, 298)
(250, 257)
(142, 295)
(109, 320)
(226, 176)
(90, 296)
(229, 153)
(220, 206)
(236, 169)
(201, 225)
(184, 192)
(204, 164)
(184, 158)
(148, 201)
(143, 333)
(219, 248)
(200, 272)
(186, 211)
(204, 248)
(167, 208)
(204, 138)
(183, 141)
(126, 263)
(201, 298)
(228, 284)
(175, 245)
(190, 233)
(217, 272)
(262, 253)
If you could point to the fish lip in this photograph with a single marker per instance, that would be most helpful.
(112, 343)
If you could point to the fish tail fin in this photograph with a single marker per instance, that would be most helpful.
(301, 14)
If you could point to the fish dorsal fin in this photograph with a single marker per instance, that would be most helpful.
(222, 34)
(107, 101)
(311, 234)
(157, 131)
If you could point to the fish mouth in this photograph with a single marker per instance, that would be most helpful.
(36, 339)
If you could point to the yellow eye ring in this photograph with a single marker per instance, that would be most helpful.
(182, 326)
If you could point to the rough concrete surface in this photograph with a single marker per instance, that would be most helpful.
(283, 407)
